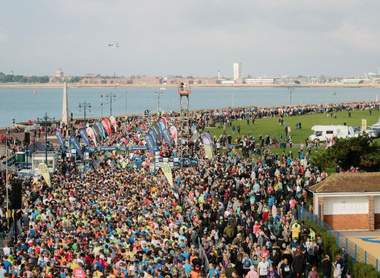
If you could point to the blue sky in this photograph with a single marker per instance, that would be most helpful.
(190, 37)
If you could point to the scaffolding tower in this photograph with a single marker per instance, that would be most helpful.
(184, 100)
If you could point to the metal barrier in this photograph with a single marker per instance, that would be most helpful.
(357, 253)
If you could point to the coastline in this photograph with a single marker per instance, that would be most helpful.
(79, 85)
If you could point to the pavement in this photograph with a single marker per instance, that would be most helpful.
(365, 241)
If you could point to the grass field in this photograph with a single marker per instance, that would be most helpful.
(271, 127)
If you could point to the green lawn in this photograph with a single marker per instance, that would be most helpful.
(271, 127)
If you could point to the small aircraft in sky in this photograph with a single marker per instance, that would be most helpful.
(114, 44)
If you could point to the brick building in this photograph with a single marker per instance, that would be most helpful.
(348, 201)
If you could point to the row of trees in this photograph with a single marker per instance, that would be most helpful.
(10, 78)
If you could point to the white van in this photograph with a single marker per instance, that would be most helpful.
(323, 132)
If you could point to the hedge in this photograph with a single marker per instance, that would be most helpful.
(358, 269)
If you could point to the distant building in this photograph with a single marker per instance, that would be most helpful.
(237, 70)
(59, 73)
(354, 80)
(93, 75)
(259, 81)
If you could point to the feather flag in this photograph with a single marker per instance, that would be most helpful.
(167, 170)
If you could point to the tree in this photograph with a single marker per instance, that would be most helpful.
(75, 79)
(359, 152)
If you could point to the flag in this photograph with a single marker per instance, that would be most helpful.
(166, 134)
(107, 126)
(165, 167)
(44, 173)
(152, 133)
(75, 143)
(174, 133)
(150, 142)
(101, 129)
(91, 134)
(58, 133)
(113, 122)
(85, 139)
(208, 151)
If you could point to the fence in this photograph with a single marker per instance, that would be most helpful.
(357, 253)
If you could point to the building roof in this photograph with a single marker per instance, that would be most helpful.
(348, 182)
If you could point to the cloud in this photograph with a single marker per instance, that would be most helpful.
(4, 38)
(360, 38)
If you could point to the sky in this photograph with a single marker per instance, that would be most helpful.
(190, 37)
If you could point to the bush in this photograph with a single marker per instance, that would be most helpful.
(357, 269)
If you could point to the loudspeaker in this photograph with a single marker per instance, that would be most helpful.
(26, 138)
(16, 195)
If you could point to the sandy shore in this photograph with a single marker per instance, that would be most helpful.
(78, 85)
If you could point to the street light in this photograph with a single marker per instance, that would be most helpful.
(45, 119)
(85, 106)
(159, 94)
(110, 96)
(291, 90)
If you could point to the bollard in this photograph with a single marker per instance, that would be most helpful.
(365, 257)
(337, 239)
(347, 245)
(356, 253)
(377, 265)
(330, 231)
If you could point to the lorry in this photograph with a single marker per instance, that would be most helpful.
(324, 132)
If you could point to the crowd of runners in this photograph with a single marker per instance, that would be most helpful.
(234, 215)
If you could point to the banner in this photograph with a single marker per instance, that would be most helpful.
(75, 143)
(167, 137)
(107, 126)
(150, 143)
(152, 133)
(189, 162)
(97, 134)
(161, 125)
(165, 167)
(81, 168)
(85, 139)
(174, 133)
(208, 135)
(113, 122)
(364, 124)
(114, 148)
(101, 129)
(208, 151)
(91, 134)
(206, 140)
(157, 129)
(58, 133)
(164, 120)
(44, 173)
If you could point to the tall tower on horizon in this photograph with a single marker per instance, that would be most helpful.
(237, 70)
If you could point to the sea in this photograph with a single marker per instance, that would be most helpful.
(26, 104)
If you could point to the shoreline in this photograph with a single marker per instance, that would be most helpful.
(79, 85)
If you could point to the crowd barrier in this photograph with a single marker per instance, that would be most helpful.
(357, 253)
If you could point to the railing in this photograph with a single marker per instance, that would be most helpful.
(357, 253)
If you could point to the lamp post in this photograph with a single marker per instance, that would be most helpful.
(291, 90)
(101, 105)
(110, 96)
(85, 106)
(159, 94)
(45, 119)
